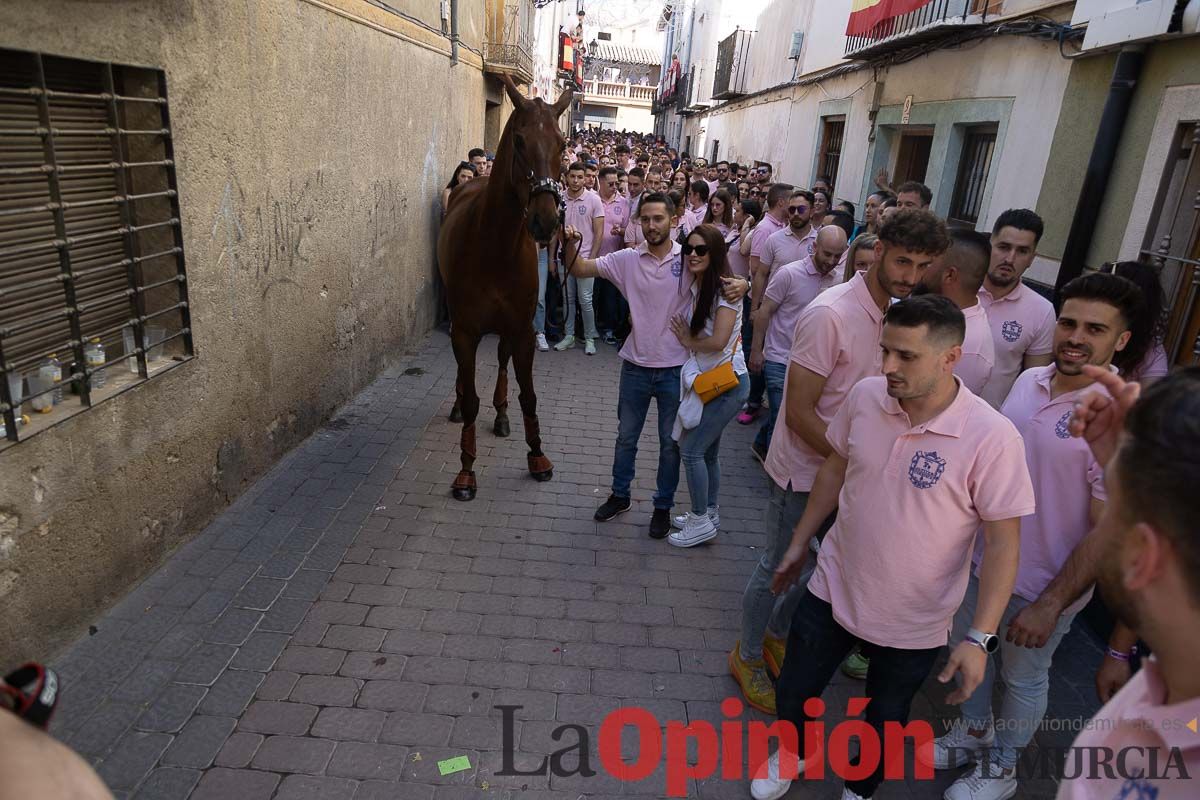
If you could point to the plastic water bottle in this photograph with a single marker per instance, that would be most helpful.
(51, 370)
(94, 355)
(21, 420)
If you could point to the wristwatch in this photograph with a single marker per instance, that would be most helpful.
(987, 642)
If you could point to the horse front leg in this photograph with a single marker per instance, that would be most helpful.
(500, 396)
(522, 354)
(465, 345)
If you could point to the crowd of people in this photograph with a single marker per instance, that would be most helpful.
(938, 441)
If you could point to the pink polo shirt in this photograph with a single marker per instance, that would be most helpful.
(616, 213)
(837, 336)
(784, 247)
(580, 213)
(1134, 722)
(692, 217)
(1154, 364)
(895, 564)
(792, 287)
(656, 291)
(762, 232)
(1022, 323)
(1065, 478)
(978, 350)
(738, 263)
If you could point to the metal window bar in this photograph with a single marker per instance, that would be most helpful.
(903, 24)
(831, 157)
(67, 216)
(973, 168)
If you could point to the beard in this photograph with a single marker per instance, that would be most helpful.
(1002, 281)
(655, 236)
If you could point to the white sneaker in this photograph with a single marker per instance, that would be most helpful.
(957, 748)
(679, 520)
(697, 530)
(542, 344)
(566, 344)
(771, 786)
(589, 347)
(986, 782)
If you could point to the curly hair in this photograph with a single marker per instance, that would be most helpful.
(917, 230)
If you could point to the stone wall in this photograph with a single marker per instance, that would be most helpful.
(313, 139)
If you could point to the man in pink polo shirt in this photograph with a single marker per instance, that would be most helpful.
(958, 275)
(1022, 320)
(1094, 324)
(774, 219)
(835, 345)
(649, 276)
(1149, 575)
(794, 241)
(697, 199)
(585, 213)
(792, 287)
(611, 309)
(917, 464)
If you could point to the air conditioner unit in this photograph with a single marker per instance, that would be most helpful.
(1111, 23)
(797, 44)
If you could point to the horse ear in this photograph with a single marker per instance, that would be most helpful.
(564, 100)
(514, 94)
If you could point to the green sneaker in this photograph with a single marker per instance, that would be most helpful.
(752, 677)
(856, 665)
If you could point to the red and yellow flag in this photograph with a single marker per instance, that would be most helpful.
(866, 14)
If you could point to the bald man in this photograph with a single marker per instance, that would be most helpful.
(958, 274)
(790, 288)
(35, 765)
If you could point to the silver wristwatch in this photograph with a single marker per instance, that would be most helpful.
(987, 642)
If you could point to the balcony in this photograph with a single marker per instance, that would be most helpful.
(508, 44)
(615, 93)
(933, 20)
(733, 56)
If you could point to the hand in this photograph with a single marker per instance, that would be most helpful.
(756, 361)
(881, 179)
(788, 571)
(1099, 418)
(1112, 675)
(734, 289)
(572, 234)
(1033, 625)
(969, 663)
(682, 331)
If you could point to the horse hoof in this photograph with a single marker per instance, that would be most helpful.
(456, 414)
(463, 487)
(540, 468)
(501, 428)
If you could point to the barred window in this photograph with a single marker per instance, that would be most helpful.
(93, 294)
(833, 130)
(979, 145)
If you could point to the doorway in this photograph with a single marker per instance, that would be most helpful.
(912, 158)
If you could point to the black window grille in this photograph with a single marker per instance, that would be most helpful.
(834, 131)
(91, 251)
(979, 145)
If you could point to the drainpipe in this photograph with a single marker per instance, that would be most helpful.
(453, 32)
(1099, 168)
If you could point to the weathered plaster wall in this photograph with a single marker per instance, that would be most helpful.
(312, 150)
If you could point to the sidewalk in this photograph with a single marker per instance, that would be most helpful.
(346, 625)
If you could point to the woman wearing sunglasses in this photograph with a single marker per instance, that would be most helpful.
(712, 335)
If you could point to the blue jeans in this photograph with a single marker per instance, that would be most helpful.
(776, 376)
(581, 287)
(1026, 674)
(758, 383)
(699, 448)
(638, 386)
(816, 646)
(539, 316)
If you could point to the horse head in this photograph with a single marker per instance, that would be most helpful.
(536, 147)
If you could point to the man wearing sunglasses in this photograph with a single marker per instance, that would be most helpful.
(649, 276)
(794, 241)
(763, 173)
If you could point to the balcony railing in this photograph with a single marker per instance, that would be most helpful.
(632, 93)
(508, 46)
(931, 21)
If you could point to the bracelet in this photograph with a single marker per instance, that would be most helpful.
(1119, 656)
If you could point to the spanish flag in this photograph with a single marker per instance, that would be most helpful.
(866, 14)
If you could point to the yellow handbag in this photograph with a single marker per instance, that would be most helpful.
(715, 382)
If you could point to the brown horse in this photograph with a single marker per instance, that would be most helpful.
(488, 261)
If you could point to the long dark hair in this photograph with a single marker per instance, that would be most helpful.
(461, 166)
(727, 217)
(710, 281)
(1150, 327)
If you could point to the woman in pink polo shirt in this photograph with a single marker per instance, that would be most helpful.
(712, 336)
(720, 211)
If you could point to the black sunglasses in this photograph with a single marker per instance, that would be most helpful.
(700, 250)
(793, 210)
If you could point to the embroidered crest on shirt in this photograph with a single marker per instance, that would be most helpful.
(1011, 330)
(677, 267)
(926, 469)
(1060, 429)
(583, 213)
(1137, 789)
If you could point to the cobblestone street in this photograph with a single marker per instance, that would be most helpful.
(346, 625)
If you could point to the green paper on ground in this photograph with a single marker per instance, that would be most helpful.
(453, 765)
